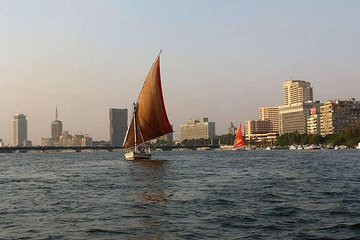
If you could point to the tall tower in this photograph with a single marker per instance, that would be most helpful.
(118, 125)
(19, 130)
(297, 91)
(56, 127)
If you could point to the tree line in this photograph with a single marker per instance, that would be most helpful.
(350, 137)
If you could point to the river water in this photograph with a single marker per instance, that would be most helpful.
(279, 194)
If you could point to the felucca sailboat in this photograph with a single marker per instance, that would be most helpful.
(239, 143)
(149, 119)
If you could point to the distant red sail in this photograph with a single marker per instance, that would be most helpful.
(239, 140)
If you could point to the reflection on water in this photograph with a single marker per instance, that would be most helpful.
(150, 163)
(159, 197)
(153, 195)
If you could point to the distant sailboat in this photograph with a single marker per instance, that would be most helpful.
(149, 119)
(239, 143)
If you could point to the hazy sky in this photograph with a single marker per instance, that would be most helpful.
(221, 59)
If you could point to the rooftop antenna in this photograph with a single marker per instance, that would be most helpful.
(56, 114)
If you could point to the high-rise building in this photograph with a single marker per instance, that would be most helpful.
(297, 91)
(298, 100)
(338, 114)
(19, 130)
(56, 128)
(294, 117)
(271, 114)
(195, 129)
(118, 125)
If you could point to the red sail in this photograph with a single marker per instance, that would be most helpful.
(239, 140)
(151, 117)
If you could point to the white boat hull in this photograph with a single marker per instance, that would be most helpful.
(136, 155)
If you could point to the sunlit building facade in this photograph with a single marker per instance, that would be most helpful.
(297, 91)
(256, 126)
(313, 121)
(195, 129)
(66, 139)
(271, 114)
(338, 114)
(293, 118)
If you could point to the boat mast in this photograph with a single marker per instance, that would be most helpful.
(135, 127)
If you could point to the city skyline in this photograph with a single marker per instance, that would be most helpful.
(297, 95)
(87, 57)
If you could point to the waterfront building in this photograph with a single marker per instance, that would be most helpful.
(264, 139)
(337, 114)
(77, 140)
(254, 127)
(56, 128)
(86, 141)
(195, 129)
(65, 139)
(47, 142)
(81, 140)
(271, 114)
(118, 125)
(294, 117)
(297, 91)
(313, 121)
(19, 130)
(232, 129)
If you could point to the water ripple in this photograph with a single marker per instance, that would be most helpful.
(181, 195)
